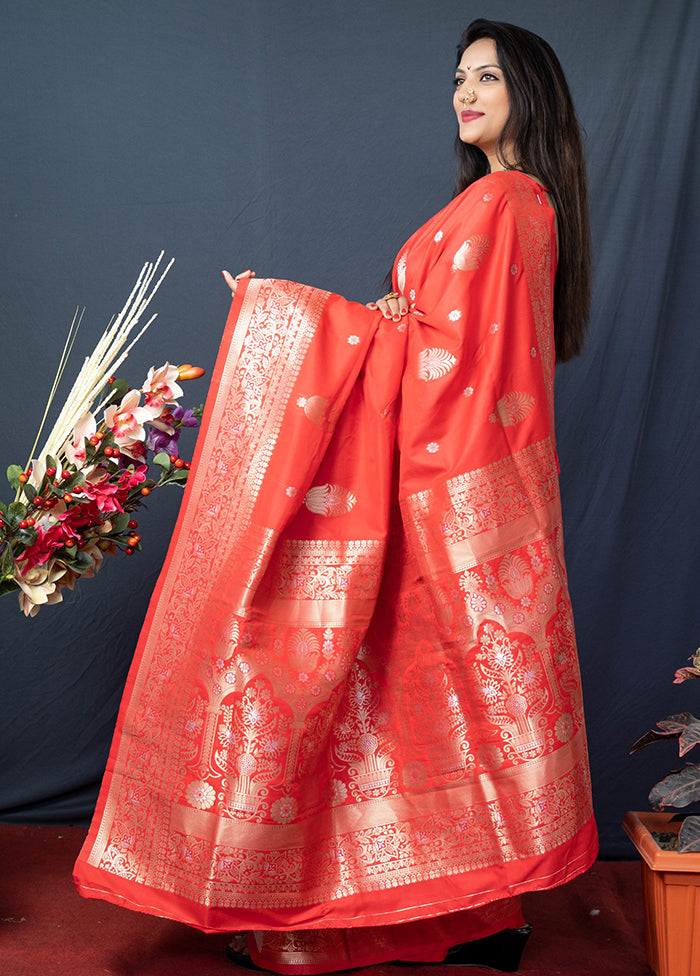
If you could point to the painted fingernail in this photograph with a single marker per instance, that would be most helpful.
(387, 315)
(404, 311)
(371, 305)
(396, 318)
(242, 274)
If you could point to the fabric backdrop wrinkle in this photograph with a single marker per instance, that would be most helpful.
(307, 142)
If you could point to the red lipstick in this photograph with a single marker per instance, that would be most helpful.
(470, 116)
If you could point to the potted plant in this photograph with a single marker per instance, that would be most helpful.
(670, 849)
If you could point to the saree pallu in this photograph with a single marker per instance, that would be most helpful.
(355, 701)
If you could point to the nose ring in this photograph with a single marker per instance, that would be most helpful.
(470, 96)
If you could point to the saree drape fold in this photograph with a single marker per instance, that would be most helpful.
(356, 699)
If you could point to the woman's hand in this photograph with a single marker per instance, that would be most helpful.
(392, 306)
(233, 282)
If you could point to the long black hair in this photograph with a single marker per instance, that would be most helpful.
(542, 131)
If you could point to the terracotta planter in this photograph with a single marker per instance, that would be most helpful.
(671, 898)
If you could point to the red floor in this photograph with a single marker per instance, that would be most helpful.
(591, 927)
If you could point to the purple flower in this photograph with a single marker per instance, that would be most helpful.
(162, 440)
(183, 418)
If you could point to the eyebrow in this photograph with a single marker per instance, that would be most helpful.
(461, 71)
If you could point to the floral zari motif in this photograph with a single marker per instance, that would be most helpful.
(358, 673)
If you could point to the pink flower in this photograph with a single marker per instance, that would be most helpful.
(131, 478)
(47, 541)
(126, 420)
(103, 493)
(160, 387)
(75, 450)
(108, 495)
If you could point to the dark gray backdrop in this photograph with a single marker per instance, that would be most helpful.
(307, 141)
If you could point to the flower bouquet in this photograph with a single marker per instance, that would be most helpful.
(74, 502)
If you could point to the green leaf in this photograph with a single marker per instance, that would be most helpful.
(677, 723)
(684, 726)
(162, 460)
(678, 789)
(8, 586)
(179, 474)
(686, 674)
(3, 508)
(689, 835)
(29, 491)
(7, 563)
(77, 478)
(120, 523)
(13, 473)
(17, 509)
(652, 736)
(116, 391)
(27, 536)
(84, 560)
(689, 738)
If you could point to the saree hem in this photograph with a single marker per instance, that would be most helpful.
(374, 908)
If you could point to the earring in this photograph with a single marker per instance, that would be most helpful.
(470, 96)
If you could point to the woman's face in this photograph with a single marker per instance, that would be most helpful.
(483, 114)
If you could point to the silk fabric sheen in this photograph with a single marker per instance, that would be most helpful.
(356, 699)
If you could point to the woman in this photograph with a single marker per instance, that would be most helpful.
(354, 726)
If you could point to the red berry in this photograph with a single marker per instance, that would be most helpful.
(132, 541)
(111, 379)
(65, 474)
(31, 521)
(77, 490)
(173, 458)
(99, 435)
(132, 524)
(23, 524)
(2, 524)
(68, 498)
(179, 463)
(187, 465)
(145, 491)
(51, 471)
(137, 537)
(24, 478)
(108, 452)
(129, 551)
(94, 439)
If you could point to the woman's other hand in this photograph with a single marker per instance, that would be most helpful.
(233, 282)
(392, 306)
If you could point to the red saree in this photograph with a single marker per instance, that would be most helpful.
(355, 700)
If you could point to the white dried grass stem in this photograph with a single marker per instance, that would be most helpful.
(105, 357)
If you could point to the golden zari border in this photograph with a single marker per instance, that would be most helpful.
(370, 858)
(486, 512)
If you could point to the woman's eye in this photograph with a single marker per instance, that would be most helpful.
(458, 82)
(488, 77)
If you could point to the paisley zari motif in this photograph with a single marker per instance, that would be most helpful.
(356, 700)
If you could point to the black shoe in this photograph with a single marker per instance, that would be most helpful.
(501, 951)
(243, 960)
